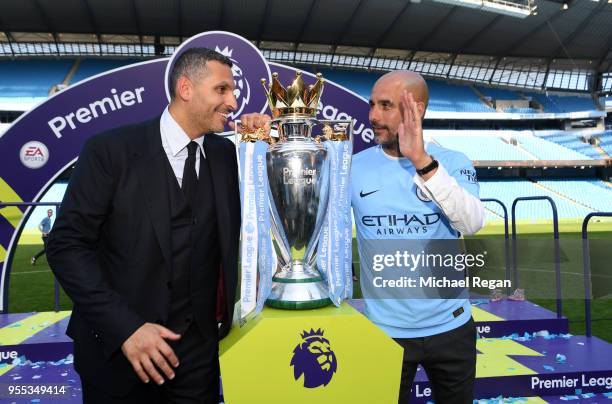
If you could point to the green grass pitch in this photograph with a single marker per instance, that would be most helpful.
(31, 288)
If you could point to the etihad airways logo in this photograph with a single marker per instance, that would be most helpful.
(409, 223)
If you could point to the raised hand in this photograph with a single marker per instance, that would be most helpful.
(410, 132)
(254, 121)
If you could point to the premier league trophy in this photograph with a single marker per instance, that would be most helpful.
(296, 253)
(298, 175)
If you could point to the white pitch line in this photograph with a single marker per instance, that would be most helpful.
(31, 272)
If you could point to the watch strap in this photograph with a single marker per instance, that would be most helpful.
(429, 167)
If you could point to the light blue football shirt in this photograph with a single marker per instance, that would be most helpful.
(382, 186)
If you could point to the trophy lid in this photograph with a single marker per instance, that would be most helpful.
(297, 99)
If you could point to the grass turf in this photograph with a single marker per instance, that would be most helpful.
(31, 287)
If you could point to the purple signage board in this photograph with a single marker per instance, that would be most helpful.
(46, 141)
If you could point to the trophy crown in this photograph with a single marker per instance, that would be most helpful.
(296, 99)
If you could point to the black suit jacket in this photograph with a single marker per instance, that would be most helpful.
(110, 245)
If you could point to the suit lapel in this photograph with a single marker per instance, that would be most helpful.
(150, 168)
(217, 158)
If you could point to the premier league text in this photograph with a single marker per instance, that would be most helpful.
(96, 109)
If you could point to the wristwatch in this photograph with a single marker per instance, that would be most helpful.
(429, 167)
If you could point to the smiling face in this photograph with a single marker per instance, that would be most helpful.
(212, 97)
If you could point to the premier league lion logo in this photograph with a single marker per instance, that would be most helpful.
(313, 357)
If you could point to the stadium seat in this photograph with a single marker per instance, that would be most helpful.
(22, 85)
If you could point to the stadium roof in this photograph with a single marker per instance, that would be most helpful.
(579, 37)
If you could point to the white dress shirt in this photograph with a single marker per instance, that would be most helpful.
(175, 141)
(464, 211)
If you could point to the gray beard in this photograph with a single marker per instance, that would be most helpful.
(392, 146)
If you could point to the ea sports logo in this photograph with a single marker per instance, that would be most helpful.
(314, 359)
(34, 154)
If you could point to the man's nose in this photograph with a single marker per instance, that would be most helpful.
(373, 115)
(232, 103)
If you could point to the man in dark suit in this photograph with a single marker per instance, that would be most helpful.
(146, 237)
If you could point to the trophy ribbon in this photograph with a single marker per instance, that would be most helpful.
(335, 244)
(257, 254)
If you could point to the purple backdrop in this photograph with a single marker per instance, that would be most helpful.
(123, 96)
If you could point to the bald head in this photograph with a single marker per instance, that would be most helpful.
(406, 80)
(387, 108)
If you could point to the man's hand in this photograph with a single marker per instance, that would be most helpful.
(410, 133)
(148, 352)
(254, 121)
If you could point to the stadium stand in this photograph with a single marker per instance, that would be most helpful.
(443, 96)
(573, 197)
(546, 150)
(571, 141)
(91, 67)
(480, 147)
(560, 104)
(454, 98)
(605, 142)
(499, 93)
(600, 183)
(22, 85)
(508, 190)
(461, 98)
(583, 192)
(521, 110)
(490, 144)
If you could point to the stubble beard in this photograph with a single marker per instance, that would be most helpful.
(391, 146)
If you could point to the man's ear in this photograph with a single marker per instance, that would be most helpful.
(184, 89)
(421, 108)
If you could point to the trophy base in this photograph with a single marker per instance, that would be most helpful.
(298, 291)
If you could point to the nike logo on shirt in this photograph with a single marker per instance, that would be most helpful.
(364, 194)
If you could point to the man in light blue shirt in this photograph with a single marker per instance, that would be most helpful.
(45, 227)
(404, 189)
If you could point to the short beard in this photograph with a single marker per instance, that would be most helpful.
(391, 146)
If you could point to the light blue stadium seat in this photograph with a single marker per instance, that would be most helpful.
(560, 104)
(23, 84)
(454, 98)
(546, 150)
(90, 67)
(443, 96)
(499, 93)
(583, 192)
(573, 142)
(485, 147)
(605, 142)
(508, 190)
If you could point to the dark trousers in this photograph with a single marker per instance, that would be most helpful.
(449, 359)
(196, 380)
(44, 250)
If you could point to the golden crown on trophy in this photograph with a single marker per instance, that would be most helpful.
(297, 99)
